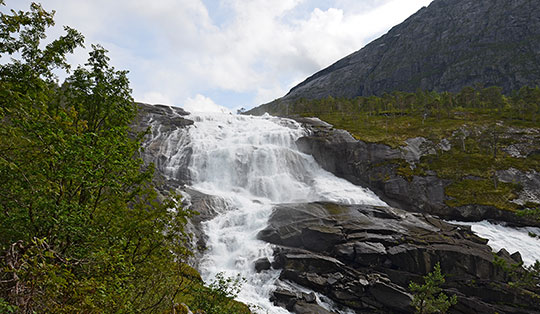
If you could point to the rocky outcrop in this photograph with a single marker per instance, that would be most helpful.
(375, 165)
(297, 302)
(360, 257)
(444, 47)
(530, 183)
(160, 122)
(363, 257)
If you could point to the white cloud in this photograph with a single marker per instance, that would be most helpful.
(174, 49)
(155, 98)
(202, 103)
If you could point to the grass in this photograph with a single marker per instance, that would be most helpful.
(390, 130)
(482, 192)
(393, 127)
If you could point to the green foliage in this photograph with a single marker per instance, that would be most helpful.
(218, 297)
(22, 32)
(83, 228)
(531, 277)
(518, 276)
(482, 192)
(508, 270)
(429, 298)
(6, 308)
(392, 118)
(531, 210)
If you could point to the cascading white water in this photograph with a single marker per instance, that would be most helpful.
(253, 163)
(524, 240)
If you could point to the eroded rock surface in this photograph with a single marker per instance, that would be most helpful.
(161, 122)
(166, 126)
(364, 257)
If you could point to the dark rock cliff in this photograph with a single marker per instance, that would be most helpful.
(444, 47)
(161, 121)
(373, 165)
(166, 129)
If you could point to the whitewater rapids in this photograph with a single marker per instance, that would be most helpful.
(524, 240)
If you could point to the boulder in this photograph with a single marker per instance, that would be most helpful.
(309, 297)
(262, 264)
(297, 302)
(391, 296)
(303, 307)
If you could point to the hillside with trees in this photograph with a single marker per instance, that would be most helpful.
(83, 228)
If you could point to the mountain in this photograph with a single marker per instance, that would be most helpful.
(443, 47)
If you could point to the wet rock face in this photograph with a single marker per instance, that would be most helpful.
(169, 117)
(367, 164)
(262, 264)
(444, 47)
(161, 121)
(297, 302)
(366, 256)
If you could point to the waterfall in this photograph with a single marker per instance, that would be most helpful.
(249, 164)
(252, 163)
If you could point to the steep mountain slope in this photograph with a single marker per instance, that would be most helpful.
(444, 47)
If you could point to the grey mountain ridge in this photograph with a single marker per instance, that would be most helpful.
(443, 47)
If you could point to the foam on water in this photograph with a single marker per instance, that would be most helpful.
(511, 239)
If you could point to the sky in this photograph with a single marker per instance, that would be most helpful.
(208, 55)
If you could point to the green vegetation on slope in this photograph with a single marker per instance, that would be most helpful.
(475, 123)
(428, 297)
(83, 229)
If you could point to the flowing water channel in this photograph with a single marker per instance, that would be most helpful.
(524, 240)
(252, 163)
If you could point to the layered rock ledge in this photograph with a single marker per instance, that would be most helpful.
(363, 257)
